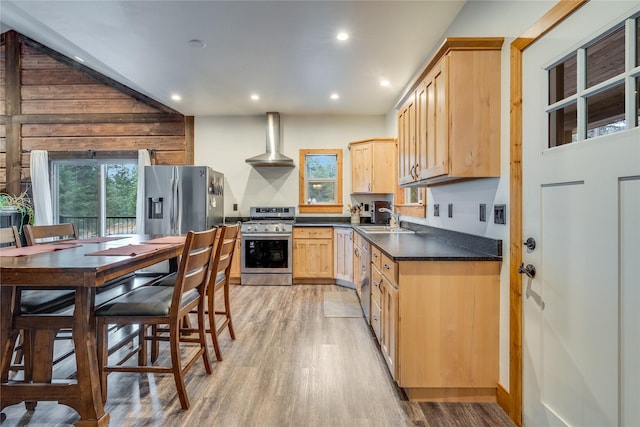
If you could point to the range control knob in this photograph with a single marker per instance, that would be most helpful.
(276, 227)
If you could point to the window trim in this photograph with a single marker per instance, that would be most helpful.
(303, 206)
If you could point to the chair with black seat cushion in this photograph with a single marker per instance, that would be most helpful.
(32, 301)
(164, 305)
(39, 234)
(218, 301)
(39, 302)
(9, 237)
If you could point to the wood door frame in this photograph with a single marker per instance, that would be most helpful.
(513, 399)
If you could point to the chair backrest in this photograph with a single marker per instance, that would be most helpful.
(9, 237)
(195, 265)
(37, 234)
(224, 253)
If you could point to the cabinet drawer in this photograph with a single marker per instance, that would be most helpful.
(376, 257)
(376, 321)
(312, 233)
(376, 281)
(389, 269)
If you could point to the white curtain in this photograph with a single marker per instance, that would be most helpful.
(143, 160)
(42, 206)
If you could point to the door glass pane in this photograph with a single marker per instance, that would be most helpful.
(121, 187)
(563, 126)
(78, 190)
(637, 41)
(562, 80)
(637, 115)
(605, 112)
(605, 58)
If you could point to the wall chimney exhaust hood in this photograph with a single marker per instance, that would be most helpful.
(272, 156)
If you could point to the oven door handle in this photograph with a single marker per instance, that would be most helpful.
(274, 236)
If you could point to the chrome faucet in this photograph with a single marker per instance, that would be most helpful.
(394, 222)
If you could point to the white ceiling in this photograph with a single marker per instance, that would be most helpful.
(286, 51)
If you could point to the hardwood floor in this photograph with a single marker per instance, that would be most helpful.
(289, 366)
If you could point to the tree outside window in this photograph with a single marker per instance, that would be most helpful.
(320, 181)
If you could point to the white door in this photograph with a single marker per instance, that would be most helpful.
(581, 204)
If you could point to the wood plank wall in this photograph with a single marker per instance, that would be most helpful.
(50, 102)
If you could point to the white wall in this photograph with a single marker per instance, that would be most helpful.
(224, 143)
(485, 19)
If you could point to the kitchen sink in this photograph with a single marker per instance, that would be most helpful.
(380, 229)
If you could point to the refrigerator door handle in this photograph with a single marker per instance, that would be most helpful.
(174, 200)
(178, 198)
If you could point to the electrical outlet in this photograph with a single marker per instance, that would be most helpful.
(436, 209)
(483, 212)
(235, 207)
(450, 210)
(500, 214)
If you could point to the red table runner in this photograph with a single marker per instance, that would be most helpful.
(37, 249)
(129, 250)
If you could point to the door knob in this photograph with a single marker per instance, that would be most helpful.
(529, 270)
(530, 243)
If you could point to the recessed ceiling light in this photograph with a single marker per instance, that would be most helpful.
(255, 97)
(335, 96)
(198, 44)
(77, 58)
(384, 82)
(342, 36)
(176, 97)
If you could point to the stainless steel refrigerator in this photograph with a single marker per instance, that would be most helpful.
(182, 198)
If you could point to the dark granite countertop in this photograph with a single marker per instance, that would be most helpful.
(424, 247)
(427, 244)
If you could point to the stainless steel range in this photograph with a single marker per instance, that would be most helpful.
(267, 247)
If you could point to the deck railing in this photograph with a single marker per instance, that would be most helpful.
(88, 225)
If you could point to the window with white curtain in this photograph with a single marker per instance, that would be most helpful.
(99, 196)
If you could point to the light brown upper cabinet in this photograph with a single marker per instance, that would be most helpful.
(449, 122)
(373, 166)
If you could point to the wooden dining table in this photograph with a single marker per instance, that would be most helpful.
(84, 268)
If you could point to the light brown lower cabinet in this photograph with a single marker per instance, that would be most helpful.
(448, 332)
(234, 276)
(437, 323)
(343, 256)
(313, 255)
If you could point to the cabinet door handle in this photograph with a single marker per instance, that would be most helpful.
(386, 267)
(417, 171)
(374, 254)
